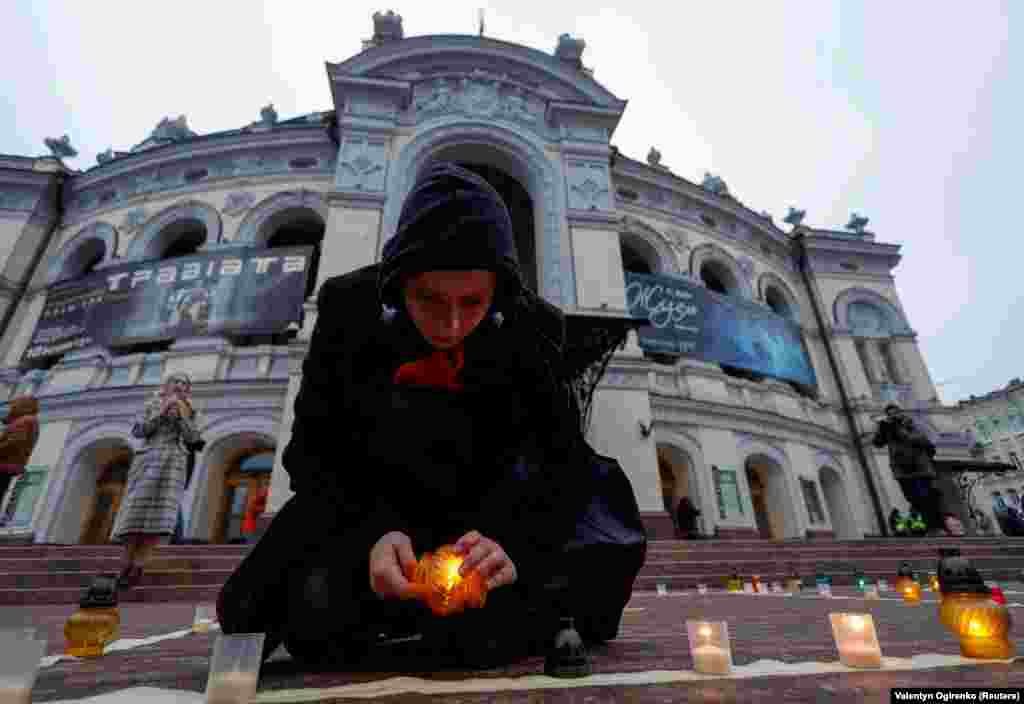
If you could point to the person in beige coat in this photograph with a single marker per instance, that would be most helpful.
(18, 439)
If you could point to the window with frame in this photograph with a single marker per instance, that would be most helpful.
(813, 501)
(727, 492)
(24, 495)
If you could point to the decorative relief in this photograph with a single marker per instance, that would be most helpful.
(238, 202)
(588, 186)
(364, 106)
(747, 266)
(657, 197)
(362, 165)
(477, 95)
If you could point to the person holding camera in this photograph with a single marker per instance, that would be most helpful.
(910, 457)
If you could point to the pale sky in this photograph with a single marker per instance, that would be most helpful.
(903, 111)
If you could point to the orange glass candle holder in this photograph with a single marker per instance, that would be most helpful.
(96, 623)
(911, 592)
(439, 585)
(982, 625)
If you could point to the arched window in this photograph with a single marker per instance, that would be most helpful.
(299, 226)
(717, 277)
(634, 261)
(182, 238)
(777, 302)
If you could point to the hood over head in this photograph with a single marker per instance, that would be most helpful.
(22, 406)
(452, 220)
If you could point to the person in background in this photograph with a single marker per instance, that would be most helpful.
(686, 518)
(910, 458)
(18, 439)
(156, 480)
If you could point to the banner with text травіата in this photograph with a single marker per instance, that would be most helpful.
(239, 292)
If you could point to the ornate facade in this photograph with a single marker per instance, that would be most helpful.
(756, 456)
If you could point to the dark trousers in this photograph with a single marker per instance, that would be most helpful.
(5, 483)
(923, 499)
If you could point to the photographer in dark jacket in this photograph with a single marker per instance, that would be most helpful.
(910, 457)
(433, 409)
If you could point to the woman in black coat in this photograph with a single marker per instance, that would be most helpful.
(433, 409)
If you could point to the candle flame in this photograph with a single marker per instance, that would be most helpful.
(451, 572)
(705, 631)
(857, 623)
(976, 628)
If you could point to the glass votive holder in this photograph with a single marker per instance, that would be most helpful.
(709, 647)
(19, 664)
(662, 589)
(933, 582)
(825, 590)
(206, 615)
(911, 593)
(776, 588)
(748, 587)
(856, 640)
(234, 668)
(883, 586)
(871, 592)
(702, 589)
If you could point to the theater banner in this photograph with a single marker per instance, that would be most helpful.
(234, 292)
(688, 319)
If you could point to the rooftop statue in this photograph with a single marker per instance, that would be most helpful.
(715, 184)
(857, 223)
(268, 115)
(654, 157)
(570, 50)
(387, 26)
(60, 148)
(104, 157)
(173, 130)
(795, 217)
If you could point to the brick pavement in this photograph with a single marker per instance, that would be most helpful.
(653, 637)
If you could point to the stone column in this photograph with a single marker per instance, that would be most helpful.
(856, 381)
(879, 369)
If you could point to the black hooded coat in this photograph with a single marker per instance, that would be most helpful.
(504, 456)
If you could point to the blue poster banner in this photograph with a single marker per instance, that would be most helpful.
(689, 320)
(231, 292)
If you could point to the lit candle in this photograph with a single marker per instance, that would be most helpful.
(912, 593)
(883, 586)
(856, 640)
(232, 687)
(662, 590)
(825, 590)
(748, 588)
(711, 660)
(702, 589)
(871, 592)
(709, 646)
(776, 587)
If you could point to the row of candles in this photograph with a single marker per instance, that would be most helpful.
(854, 635)
(975, 613)
(234, 662)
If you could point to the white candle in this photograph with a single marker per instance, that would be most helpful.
(883, 586)
(234, 687)
(711, 660)
(748, 588)
(662, 590)
(15, 694)
(860, 654)
(702, 588)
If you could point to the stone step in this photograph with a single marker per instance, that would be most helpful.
(717, 580)
(70, 595)
(867, 565)
(10, 551)
(152, 577)
(113, 563)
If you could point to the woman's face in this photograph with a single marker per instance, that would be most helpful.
(181, 387)
(446, 306)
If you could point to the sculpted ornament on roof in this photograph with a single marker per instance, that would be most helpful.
(476, 95)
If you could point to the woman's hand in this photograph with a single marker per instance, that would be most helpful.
(488, 558)
(392, 566)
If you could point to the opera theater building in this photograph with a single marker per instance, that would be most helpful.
(720, 355)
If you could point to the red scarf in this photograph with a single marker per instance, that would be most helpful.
(439, 369)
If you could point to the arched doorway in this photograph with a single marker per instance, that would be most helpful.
(675, 472)
(773, 510)
(843, 523)
(244, 498)
(106, 500)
